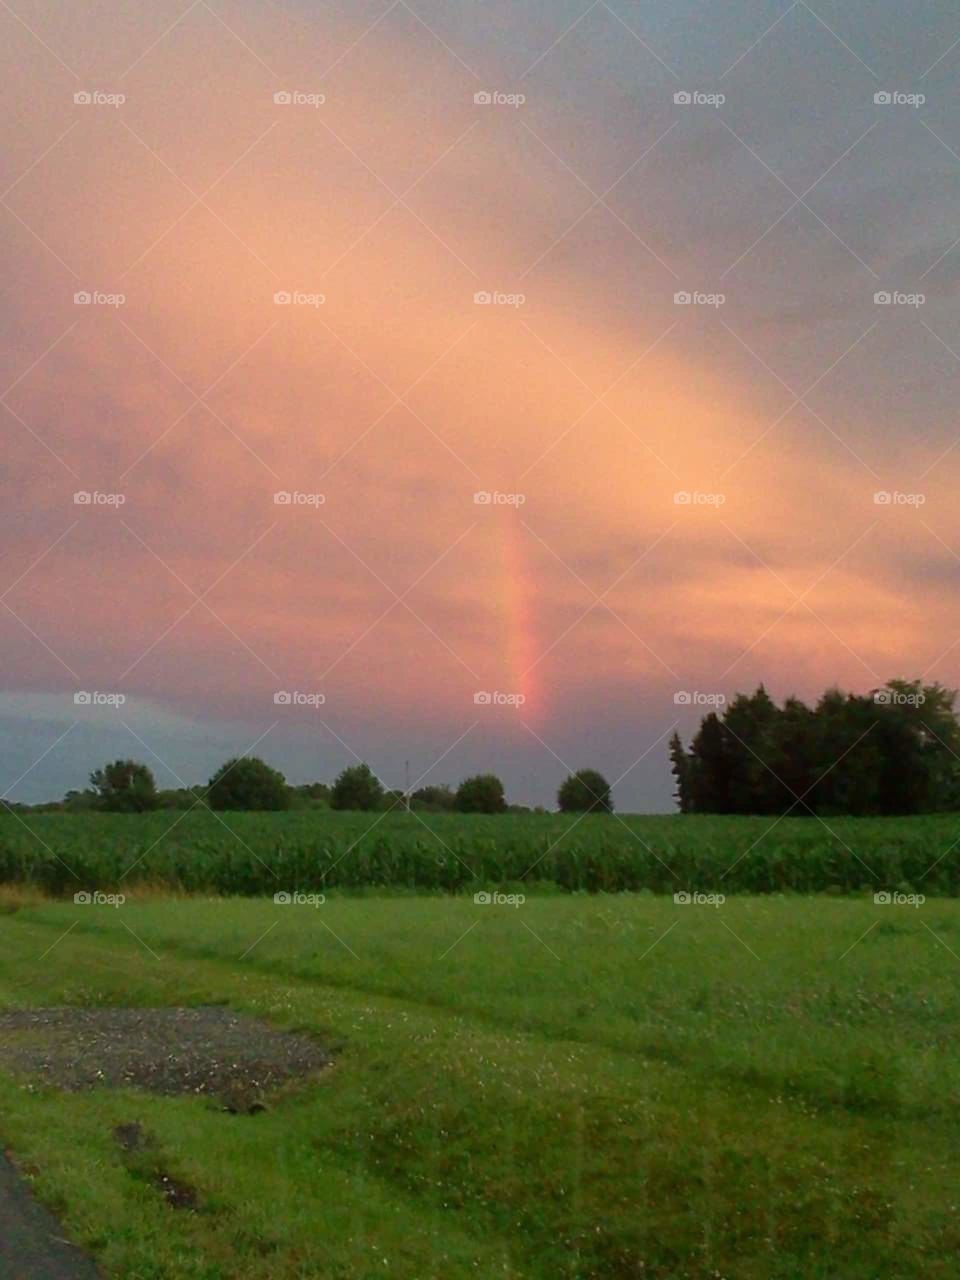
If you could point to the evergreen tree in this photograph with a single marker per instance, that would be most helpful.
(895, 750)
(680, 768)
(710, 768)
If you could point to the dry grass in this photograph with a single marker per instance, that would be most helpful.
(15, 897)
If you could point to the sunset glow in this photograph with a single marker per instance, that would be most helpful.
(383, 396)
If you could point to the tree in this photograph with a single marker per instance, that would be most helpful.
(710, 768)
(247, 782)
(585, 791)
(310, 795)
(849, 758)
(181, 797)
(938, 726)
(789, 748)
(125, 786)
(436, 797)
(895, 750)
(680, 768)
(483, 793)
(82, 801)
(746, 721)
(357, 787)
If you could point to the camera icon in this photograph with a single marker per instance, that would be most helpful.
(82, 299)
(682, 498)
(282, 699)
(883, 898)
(283, 98)
(882, 99)
(82, 98)
(682, 899)
(682, 698)
(82, 498)
(483, 498)
(482, 899)
(82, 698)
(883, 498)
(683, 98)
(483, 98)
(883, 298)
(883, 697)
(682, 299)
(282, 299)
(82, 899)
(483, 298)
(283, 498)
(482, 699)
(282, 899)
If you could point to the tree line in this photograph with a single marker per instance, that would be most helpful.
(249, 783)
(895, 750)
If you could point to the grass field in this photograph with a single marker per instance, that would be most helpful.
(259, 853)
(578, 1086)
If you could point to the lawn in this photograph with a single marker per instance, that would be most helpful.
(576, 1086)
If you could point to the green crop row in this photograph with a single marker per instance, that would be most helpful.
(258, 853)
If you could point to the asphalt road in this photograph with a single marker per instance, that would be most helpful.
(31, 1239)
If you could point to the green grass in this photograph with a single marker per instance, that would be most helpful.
(256, 853)
(582, 1086)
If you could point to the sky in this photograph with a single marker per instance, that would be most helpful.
(464, 387)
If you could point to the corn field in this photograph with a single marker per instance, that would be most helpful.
(248, 854)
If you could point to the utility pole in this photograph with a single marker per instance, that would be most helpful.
(406, 784)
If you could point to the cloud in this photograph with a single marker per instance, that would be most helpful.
(397, 397)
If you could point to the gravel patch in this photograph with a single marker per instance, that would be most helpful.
(233, 1057)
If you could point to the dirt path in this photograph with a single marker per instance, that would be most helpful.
(32, 1246)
